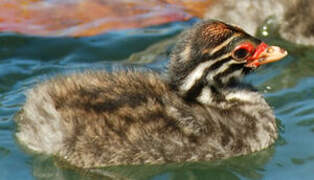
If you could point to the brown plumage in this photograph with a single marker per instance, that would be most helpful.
(199, 112)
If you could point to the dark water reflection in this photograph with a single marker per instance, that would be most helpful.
(288, 86)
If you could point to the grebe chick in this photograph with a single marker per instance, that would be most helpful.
(200, 112)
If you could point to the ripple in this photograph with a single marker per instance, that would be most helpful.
(26, 60)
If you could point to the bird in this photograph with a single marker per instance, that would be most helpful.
(197, 110)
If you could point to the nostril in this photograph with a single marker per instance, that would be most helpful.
(270, 50)
(283, 51)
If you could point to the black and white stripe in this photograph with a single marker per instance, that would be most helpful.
(217, 70)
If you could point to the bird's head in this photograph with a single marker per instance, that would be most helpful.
(213, 53)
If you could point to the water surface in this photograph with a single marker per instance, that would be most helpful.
(288, 86)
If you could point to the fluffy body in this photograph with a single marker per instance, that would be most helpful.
(99, 119)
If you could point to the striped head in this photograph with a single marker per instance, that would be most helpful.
(215, 54)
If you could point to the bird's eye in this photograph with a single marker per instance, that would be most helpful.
(240, 53)
(243, 51)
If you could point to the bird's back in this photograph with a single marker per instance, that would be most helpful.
(93, 112)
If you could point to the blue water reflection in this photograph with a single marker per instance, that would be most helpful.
(288, 87)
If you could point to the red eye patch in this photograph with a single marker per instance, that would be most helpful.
(259, 49)
(249, 47)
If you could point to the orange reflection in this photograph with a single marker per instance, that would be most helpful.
(90, 17)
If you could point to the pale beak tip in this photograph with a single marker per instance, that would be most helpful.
(273, 54)
(268, 55)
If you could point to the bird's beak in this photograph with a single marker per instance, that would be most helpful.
(265, 54)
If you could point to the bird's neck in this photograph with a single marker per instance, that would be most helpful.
(209, 93)
(207, 79)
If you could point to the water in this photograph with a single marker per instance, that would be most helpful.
(288, 86)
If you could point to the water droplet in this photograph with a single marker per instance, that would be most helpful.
(265, 33)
